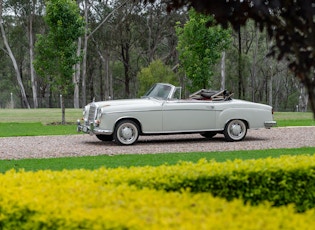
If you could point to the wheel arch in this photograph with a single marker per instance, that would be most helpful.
(241, 119)
(229, 114)
(130, 119)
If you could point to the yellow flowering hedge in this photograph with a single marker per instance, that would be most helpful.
(282, 181)
(165, 197)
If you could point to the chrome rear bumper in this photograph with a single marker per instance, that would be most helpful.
(269, 124)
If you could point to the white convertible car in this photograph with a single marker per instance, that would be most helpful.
(162, 111)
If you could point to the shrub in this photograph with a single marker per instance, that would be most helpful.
(164, 197)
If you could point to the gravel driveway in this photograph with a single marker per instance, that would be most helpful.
(84, 145)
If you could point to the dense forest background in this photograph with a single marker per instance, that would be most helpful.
(122, 39)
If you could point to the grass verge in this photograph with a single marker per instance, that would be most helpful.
(44, 116)
(13, 129)
(294, 119)
(94, 162)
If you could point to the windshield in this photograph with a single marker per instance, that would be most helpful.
(159, 91)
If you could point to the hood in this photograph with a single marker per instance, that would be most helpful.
(128, 104)
(122, 102)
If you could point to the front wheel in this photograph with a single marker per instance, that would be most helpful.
(235, 130)
(126, 132)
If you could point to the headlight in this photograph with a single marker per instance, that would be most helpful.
(97, 123)
(97, 120)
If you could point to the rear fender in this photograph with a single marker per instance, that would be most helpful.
(227, 115)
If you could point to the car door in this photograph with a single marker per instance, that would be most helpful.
(186, 116)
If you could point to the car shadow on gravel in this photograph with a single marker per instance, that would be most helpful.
(216, 139)
(145, 140)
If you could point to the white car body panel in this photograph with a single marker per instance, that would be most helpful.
(188, 116)
(169, 115)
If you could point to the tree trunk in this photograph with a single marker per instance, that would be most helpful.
(310, 85)
(223, 71)
(240, 77)
(76, 79)
(126, 60)
(63, 110)
(107, 77)
(303, 98)
(254, 69)
(17, 72)
(85, 44)
(111, 89)
(103, 64)
(270, 86)
(31, 44)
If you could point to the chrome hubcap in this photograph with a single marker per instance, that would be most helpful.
(126, 133)
(236, 129)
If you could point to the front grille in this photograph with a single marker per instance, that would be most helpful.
(92, 114)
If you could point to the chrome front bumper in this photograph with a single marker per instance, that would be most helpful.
(83, 128)
(269, 124)
(91, 129)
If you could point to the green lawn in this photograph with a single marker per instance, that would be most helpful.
(35, 122)
(34, 129)
(44, 116)
(130, 160)
(294, 119)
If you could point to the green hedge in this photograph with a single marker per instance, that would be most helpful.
(164, 197)
(282, 181)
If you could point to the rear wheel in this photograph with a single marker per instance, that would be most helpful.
(105, 137)
(126, 132)
(235, 130)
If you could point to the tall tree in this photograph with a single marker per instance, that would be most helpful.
(56, 51)
(157, 71)
(290, 22)
(25, 17)
(200, 47)
(14, 62)
(128, 21)
(88, 33)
